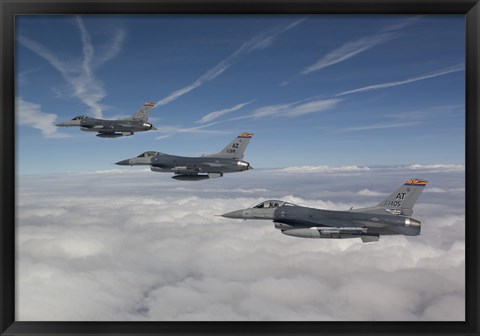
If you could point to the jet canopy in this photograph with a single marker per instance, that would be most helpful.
(79, 118)
(272, 204)
(147, 154)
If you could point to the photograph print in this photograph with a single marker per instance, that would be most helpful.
(240, 167)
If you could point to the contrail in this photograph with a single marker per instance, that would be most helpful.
(446, 71)
(258, 42)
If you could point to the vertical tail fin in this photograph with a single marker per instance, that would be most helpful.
(143, 112)
(236, 148)
(401, 201)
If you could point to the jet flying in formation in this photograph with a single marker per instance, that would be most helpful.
(138, 122)
(229, 160)
(390, 217)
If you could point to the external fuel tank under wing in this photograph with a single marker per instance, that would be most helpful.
(390, 217)
(229, 160)
(138, 122)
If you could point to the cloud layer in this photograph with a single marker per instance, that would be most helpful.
(138, 245)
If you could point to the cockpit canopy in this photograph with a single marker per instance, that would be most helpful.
(80, 118)
(272, 204)
(148, 154)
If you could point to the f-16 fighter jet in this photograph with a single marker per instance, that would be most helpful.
(390, 217)
(138, 122)
(229, 160)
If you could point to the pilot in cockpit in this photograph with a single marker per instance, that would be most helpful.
(269, 204)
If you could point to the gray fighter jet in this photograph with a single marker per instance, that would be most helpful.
(229, 160)
(138, 122)
(390, 217)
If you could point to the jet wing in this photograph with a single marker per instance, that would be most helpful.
(295, 222)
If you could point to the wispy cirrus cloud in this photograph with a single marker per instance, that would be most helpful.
(291, 110)
(216, 114)
(349, 50)
(316, 104)
(288, 110)
(80, 75)
(379, 126)
(294, 109)
(22, 77)
(353, 48)
(168, 131)
(30, 114)
(410, 118)
(438, 73)
(258, 42)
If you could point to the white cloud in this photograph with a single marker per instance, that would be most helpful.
(30, 114)
(92, 247)
(436, 190)
(258, 42)
(368, 192)
(438, 167)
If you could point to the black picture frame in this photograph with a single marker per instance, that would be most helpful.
(10, 8)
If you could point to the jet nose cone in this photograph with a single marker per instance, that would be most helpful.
(234, 214)
(123, 162)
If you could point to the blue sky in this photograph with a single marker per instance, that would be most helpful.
(315, 90)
